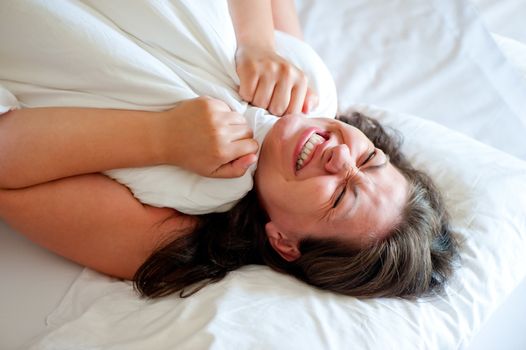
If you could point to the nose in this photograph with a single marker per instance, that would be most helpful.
(339, 159)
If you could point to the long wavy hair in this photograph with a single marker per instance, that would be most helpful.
(415, 259)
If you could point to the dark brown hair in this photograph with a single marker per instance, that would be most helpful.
(414, 260)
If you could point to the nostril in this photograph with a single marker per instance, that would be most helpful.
(329, 157)
(332, 164)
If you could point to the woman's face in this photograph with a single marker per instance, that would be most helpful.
(322, 178)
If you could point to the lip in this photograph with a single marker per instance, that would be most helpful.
(301, 142)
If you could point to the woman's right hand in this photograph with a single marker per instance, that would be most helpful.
(205, 136)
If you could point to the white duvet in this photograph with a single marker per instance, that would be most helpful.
(150, 56)
(433, 59)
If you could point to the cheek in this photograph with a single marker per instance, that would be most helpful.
(305, 199)
(265, 167)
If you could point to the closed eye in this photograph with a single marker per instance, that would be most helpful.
(371, 156)
(340, 196)
(342, 193)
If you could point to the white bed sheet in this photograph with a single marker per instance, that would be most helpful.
(34, 281)
(48, 267)
(504, 17)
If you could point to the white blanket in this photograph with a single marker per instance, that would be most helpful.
(94, 54)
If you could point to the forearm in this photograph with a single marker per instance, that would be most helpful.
(285, 17)
(43, 144)
(252, 20)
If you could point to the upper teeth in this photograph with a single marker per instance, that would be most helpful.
(309, 146)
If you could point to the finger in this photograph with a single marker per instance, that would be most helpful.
(264, 92)
(239, 148)
(247, 86)
(297, 98)
(280, 98)
(236, 168)
(246, 160)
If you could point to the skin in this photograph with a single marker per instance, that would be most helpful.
(301, 203)
(51, 189)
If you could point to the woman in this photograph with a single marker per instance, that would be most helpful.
(332, 183)
(354, 217)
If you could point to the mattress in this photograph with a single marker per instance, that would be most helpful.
(34, 281)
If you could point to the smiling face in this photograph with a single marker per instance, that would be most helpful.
(322, 178)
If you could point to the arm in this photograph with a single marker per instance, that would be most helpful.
(285, 17)
(252, 20)
(93, 221)
(50, 192)
(44, 144)
(267, 80)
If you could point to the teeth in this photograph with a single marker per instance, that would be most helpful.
(309, 146)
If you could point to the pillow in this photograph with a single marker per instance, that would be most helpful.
(504, 17)
(256, 308)
(434, 59)
(514, 50)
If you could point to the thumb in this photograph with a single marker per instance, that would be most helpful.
(237, 167)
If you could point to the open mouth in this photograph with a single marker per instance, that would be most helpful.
(306, 152)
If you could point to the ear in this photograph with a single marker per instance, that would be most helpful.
(287, 248)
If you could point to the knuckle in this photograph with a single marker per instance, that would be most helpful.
(245, 95)
(286, 70)
(280, 112)
(214, 105)
(251, 68)
(272, 68)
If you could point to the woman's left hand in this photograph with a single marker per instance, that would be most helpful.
(269, 81)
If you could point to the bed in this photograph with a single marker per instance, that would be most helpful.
(418, 79)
